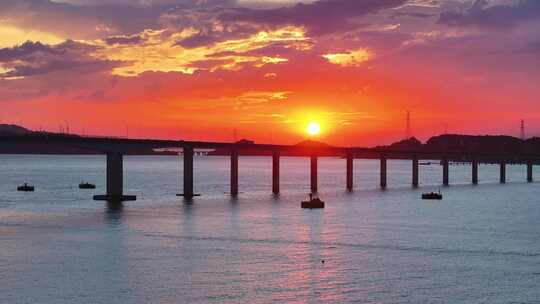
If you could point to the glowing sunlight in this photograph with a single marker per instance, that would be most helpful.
(313, 129)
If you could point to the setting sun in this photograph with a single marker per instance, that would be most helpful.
(313, 128)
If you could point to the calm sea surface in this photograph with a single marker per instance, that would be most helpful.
(481, 244)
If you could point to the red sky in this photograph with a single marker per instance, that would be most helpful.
(202, 69)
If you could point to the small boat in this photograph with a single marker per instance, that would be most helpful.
(425, 164)
(25, 188)
(313, 203)
(84, 185)
(432, 195)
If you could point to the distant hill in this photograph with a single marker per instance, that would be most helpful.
(10, 130)
(36, 148)
(479, 144)
(470, 144)
(245, 151)
(407, 144)
(486, 144)
(532, 145)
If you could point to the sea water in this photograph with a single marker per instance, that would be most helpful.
(480, 244)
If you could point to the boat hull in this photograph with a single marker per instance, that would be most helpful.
(25, 189)
(87, 186)
(312, 205)
(431, 197)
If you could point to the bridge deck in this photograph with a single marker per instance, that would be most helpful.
(105, 145)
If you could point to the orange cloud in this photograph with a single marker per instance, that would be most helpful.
(159, 51)
(351, 58)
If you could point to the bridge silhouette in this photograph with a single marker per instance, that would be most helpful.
(116, 148)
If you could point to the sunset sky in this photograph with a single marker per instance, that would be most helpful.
(200, 69)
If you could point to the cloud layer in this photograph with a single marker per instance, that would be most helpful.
(197, 65)
(34, 58)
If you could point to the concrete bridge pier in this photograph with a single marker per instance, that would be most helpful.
(475, 171)
(275, 172)
(446, 171)
(188, 173)
(115, 180)
(415, 171)
(350, 171)
(383, 172)
(503, 172)
(314, 186)
(234, 173)
(530, 171)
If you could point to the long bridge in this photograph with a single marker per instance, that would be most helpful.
(116, 148)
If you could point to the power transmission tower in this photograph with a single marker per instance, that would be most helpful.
(522, 130)
(408, 126)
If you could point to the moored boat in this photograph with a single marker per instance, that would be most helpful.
(432, 196)
(25, 188)
(313, 203)
(84, 185)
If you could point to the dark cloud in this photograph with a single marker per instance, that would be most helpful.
(35, 58)
(215, 20)
(321, 17)
(224, 21)
(25, 49)
(79, 21)
(205, 19)
(533, 48)
(277, 49)
(498, 16)
(199, 39)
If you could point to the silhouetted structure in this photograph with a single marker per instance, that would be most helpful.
(9, 130)
(446, 148)
(408, 126)
(522, 130)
